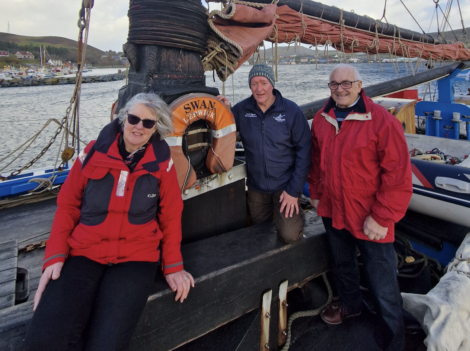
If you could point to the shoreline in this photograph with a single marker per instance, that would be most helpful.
(21, 82)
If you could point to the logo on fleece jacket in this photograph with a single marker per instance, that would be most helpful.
(251, 115)
(280, 118)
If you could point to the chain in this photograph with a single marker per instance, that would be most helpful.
(43, 151)
(83, 23)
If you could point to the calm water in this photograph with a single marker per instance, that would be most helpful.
(24, 110)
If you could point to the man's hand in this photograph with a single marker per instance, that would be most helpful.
(290, 203)
(224, 100)
(315, 203)
(53, 272)
(373, 229)
(180, 282)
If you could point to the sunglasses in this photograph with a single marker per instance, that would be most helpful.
(134, 120)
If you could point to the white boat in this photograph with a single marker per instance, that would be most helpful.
(5, 76)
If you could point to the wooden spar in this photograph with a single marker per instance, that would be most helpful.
(232, 271)
(393, 86)
(333, 14)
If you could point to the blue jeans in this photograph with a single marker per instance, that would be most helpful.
(380, 267)
(91, 306)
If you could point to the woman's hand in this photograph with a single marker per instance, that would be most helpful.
(180, 282)
(50, 272)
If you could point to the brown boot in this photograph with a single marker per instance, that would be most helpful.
(336, 313)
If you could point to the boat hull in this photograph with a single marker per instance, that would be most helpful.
(427, 203)
(441, 190)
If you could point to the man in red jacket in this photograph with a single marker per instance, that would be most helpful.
(360, 183)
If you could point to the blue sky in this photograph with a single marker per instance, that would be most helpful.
(109, 23)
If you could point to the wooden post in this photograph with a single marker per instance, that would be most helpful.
(265, 320)
(282, 324)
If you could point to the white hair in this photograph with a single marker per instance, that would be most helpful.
(357, 75)
(155, 104)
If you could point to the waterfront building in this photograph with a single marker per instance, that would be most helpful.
(25, 55)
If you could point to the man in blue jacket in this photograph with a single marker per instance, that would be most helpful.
(276, 138)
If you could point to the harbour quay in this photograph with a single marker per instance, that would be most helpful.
(19, 82)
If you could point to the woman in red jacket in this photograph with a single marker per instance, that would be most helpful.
(118, 216)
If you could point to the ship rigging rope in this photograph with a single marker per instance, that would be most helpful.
(446, 20)
(178, 23)
(30, 141)
(446, 13)
(411, 16)
(464, 31)
(84, 26)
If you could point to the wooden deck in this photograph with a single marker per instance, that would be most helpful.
(232, 271)
(8, 263)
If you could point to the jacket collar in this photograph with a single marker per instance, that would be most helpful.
(277, 106)
(360, 107)
(108, 152)
(360, 112)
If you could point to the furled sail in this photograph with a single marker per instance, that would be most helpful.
(294, 26)
(240, 27)
(235, 34)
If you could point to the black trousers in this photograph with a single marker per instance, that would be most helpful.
(380, 267)
(91, 306)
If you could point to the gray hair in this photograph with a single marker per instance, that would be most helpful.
(357, 75)
(155, 104)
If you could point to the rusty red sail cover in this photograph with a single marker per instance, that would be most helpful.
(292, 25)
(248, 27)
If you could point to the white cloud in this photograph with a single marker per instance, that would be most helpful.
(109, 23)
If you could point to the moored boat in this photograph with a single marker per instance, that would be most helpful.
(441, 190)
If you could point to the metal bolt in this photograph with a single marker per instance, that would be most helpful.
(230, 176)
(284, 332)
(266, 346)
(267, 315)
(285, 303)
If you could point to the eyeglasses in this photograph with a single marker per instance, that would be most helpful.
(346, 84)
(134, 120)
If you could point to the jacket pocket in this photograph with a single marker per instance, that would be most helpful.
(96, 199)
(144, 202)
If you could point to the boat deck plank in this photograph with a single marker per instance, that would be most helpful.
(8, 264)
(31, 221)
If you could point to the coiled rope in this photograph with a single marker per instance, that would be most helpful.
(310, 313)
(177, 23)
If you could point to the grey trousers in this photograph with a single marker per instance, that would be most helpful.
(266, 207)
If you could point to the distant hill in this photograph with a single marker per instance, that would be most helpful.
(450, 36)
(69, 44)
